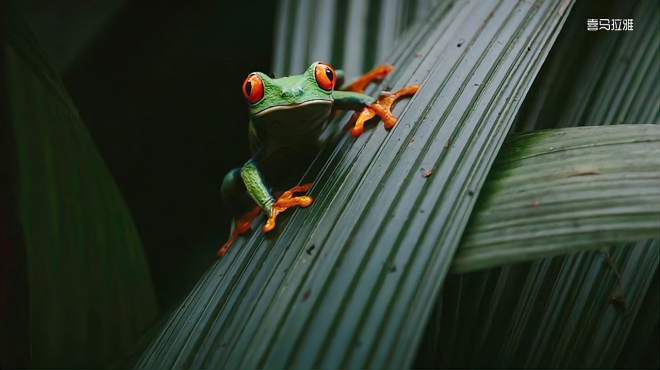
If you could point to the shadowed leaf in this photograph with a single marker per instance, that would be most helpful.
(90, 293)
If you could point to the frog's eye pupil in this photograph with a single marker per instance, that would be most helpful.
(328, 72)
(325, 76)
(248, 87)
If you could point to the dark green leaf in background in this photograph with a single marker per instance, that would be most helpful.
(90, 293)
(596, 78)
(326, 30)
(557, 313)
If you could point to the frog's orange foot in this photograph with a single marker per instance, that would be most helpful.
(288, 200)
(383, 108)
(242, 226)
(376, 74)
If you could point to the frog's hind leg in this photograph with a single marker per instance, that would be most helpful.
(239, 226)
(238, 202)
(375, 75)
(288, 200)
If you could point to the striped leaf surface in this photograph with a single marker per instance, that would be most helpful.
(563, 191)
(350, 281)
(583, 71)
(578, 312)
(600, 78)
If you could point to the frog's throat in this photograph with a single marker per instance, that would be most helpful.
(292, 106)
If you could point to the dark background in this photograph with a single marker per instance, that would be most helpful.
(158, 85)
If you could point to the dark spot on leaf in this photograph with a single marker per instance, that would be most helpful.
(529, 48)
(306, 295)
(460, 43)
(476, 84)
(310, 249)
(426, 173)
(619, 303)
(584, 173)
(470, 192)
(392, 268)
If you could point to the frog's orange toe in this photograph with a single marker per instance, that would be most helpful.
(288, 200)
(366, 114)
(383, 108)
(225, 247)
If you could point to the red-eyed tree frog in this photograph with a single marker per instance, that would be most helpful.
(287, 116)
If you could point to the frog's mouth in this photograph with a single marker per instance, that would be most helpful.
(292, 106)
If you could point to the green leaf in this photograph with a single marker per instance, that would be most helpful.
(563, 191)
(558, 312)
(641, 348)
(599, 78)
(583, 71)
(318, 30)
(90, 292)
(351, 281)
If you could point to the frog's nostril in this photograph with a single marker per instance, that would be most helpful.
(293, 92)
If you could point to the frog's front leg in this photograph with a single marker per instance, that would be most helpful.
(238, 203)
(382, 107)
(286, 201)
(249, 178)
(257, 189)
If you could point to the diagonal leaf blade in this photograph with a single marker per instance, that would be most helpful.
(563, 191)
(376, 261)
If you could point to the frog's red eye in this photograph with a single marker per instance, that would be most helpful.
(253, 89)
(325, 76)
